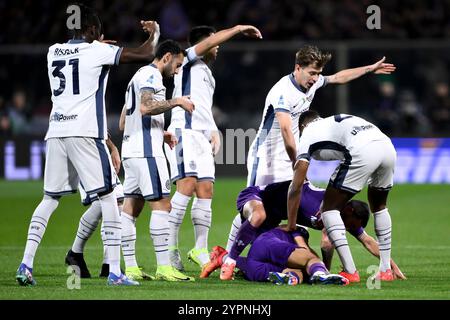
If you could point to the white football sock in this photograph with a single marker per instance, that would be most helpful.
(87, 225)
(179, 204)
(113, 231)
(201, 219)
(159, 232)
(37, 227)
(105, 251)
(383, 230)
(237, 222)
(335, 228)
(128, 239)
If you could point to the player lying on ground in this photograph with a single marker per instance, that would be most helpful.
(267, 205)
(282, 257)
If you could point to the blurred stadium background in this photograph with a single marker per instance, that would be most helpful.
(414, 102)
(412, 106)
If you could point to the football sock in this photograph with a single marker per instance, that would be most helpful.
(318, 266)
(383, 229)
(159, 232)
(112, 230)
(201, 219)
(87, 225)
(335, 228)
(37, 227)
(246, 234)
(237, 222)
(128, 239)
(105, 252)
(179, 204)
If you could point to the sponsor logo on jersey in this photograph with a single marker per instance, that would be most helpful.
(125, 138)
(192, 165)
(59, 117)
(310, 97)
(355, 130)
(168, 184)
(63, 52)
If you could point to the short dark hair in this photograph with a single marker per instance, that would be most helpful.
(168, 46)
(360, 211)
(311, 55)
(88, 18)
(199, 33)
(307, 116)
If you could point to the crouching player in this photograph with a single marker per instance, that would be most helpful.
(267, 205)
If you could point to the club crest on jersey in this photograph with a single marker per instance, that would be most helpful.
(192, 165)
(281, 101)
(168, 184)
(59, 117)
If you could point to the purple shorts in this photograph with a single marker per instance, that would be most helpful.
(269, 253)
(246, 195)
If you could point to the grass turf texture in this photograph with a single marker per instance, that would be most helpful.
(421, 248)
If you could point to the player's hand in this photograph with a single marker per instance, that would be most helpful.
(380, 67)
(150, 27)
(215, 142)
(102, 39)
(250, 31)
(115, 158)
(186, 103)
(398, 274)
(287, 228)
(170, 139)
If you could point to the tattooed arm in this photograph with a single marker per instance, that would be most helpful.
(150, 106)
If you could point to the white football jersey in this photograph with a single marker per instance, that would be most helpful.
(78, 74)
(195, 79)
(285, 96)
(143, 136)
(336, 137)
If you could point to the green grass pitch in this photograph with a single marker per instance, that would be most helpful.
(421, 247)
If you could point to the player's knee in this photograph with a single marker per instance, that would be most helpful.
(258, 217)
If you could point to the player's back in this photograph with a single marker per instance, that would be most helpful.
(195, 80)
(78, 73)
(143, 134)
(330, 138)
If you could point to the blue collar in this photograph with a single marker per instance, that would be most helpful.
(153, 65)
(73, 41)
(291, 76)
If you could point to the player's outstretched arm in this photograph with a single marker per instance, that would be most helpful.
(223, 35)
(146, 52)
(295, 193)
(372, 246)
(347, 75)
(154, 107)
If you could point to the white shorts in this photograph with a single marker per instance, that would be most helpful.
(191, 157)
(262, 171)
(373, 164)
(146, 178)
(87, 199)
(73, 159)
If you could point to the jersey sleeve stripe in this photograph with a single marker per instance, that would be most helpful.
(99, 99)
(117, 58)
(282, 110)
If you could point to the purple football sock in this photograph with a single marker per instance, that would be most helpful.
(318, 266)
(246, 234)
